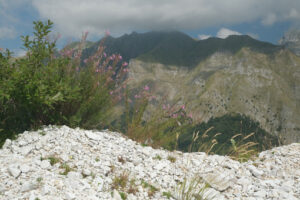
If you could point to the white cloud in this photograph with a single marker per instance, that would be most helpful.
(71, 17)
(7, 33)
(270, 19)
(225, 32)
(203, 37)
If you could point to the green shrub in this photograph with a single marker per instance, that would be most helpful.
(42, 89)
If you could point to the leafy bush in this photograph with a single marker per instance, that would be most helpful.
(41, 89)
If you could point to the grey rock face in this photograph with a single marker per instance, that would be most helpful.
(92, 169)
(291, 40)
(263, 87)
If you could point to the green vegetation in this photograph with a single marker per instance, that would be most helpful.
(226, 135)
(120, 182)
(41, 89)
(66, 168)
(192, 189)
(172, 159)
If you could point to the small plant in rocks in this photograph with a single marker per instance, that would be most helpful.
(167, 194)
(121, 159)
(157, 157)
(53, 160)
(120, 181)
(172, 159)
(66, 168)
(132, 187)
(123, 195)
(151, 189)
(191, 190)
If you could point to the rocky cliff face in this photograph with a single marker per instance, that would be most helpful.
(291, 40)
(65, 163)
(265, 87)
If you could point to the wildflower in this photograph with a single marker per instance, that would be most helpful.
(190, 115)
(164, 107)
(120, 57)
(126, 70)
(146, 88)
(125, 64)
(104, 54)
(137, 96)
(110, 58)
(85, 61)
(183, 107)
(110, 67)
(175, 115)
(111, 92)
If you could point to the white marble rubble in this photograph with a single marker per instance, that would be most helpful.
(64, 163)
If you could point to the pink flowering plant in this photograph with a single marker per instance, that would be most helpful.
(42, 88)
(153, 121)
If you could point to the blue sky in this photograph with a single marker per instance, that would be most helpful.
(265, 20)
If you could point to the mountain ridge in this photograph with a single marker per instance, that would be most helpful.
(176, 48)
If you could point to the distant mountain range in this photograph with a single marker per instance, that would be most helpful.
(216, 77)
(176, 48)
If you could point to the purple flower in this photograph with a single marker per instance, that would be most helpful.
(104, 54)
(120, 57)
(126, 70)
(183, 107)
(125, 64)
(111, 92)
(146, 88)
(109, 67)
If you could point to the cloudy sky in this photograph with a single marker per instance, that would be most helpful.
(265, 20)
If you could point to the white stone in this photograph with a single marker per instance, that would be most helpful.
(116, 195)
(218, 180)
(28, 186)
(26, 150)
(276, 176)
(255, 171)
(24, 168)
(86, 172)
(70, 196)
(93, 136)
(45, 164)
(14, 171)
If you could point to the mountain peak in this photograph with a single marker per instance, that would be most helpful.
(177, 48)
